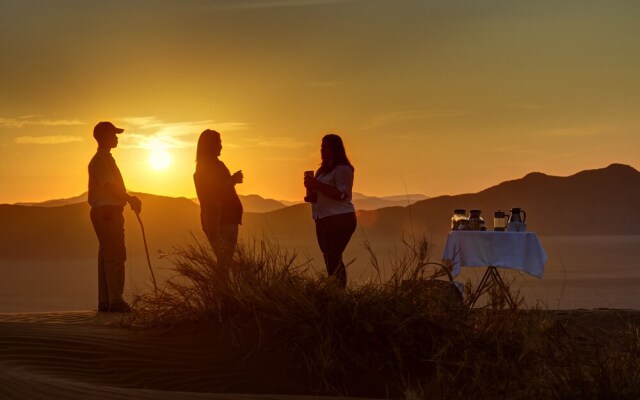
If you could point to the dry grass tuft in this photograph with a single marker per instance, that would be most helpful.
(407, 335)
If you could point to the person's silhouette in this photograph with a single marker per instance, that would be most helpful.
(331, 207)
(107, 198)
(220, 206)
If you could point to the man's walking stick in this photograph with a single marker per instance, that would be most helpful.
(146, 249)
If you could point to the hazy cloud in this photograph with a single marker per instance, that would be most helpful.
(277, 142)
(586, 131)
(34, 120)
(56, 139)
(505, 148)
(525, 106)
(152, 141)
(152, 133)
(395, 117)
(256, 4)
(325, 83)
(276, 159)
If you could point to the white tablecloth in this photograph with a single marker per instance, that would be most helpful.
(514, 250)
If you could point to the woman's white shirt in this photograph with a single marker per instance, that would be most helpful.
(341, 177)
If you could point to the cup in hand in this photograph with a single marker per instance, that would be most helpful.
(311, 196)
(238, 176)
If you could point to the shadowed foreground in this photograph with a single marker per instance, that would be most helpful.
(80, 355)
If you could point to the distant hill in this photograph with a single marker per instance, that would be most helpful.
(66, 232)
(258, 204)
(290, 203)
(364, 202)
(58, 202)
(255, 203)
(593, 202)
(251, 202)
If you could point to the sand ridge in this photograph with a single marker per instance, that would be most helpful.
(84, 354)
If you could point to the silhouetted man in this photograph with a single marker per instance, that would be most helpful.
(107, 198)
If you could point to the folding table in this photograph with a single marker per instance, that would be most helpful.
(512, 250)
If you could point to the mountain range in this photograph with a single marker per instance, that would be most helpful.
(251, 203)
(257, 204)
(593, 202)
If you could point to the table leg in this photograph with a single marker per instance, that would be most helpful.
(491, 276)
(480, 289)
(503, 287)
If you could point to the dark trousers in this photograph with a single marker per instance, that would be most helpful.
(334, 233)
(108, 224)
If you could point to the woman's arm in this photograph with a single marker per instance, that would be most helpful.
(344, 184)
(328, 190)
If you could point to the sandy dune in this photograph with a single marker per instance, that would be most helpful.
(85, 355)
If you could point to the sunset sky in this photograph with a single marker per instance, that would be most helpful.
(433, 97)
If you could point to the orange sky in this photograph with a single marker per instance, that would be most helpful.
(430, 97)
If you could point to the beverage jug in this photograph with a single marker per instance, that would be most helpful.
(518, 215)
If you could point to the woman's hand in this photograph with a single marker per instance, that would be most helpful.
(310, 182)
(237, 177)
(315, 185)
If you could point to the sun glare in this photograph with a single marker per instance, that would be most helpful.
(159, 159)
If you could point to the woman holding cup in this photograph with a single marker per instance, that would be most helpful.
(329, 192)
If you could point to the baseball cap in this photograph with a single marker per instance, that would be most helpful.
(105, 127)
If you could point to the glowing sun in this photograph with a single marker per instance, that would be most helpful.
(159, 159)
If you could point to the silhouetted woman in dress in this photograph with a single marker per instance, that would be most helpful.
(331, 206)
(220, 207)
